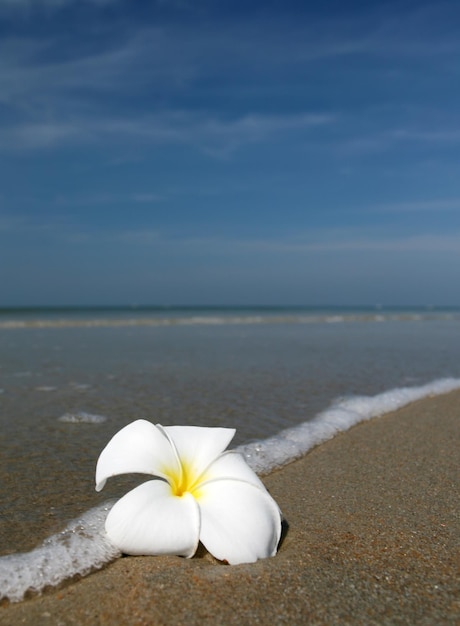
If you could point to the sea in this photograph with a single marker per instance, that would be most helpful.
(286, 378)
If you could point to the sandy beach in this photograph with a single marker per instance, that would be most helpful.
(373, 538)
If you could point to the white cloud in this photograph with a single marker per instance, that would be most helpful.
(133, 237)
(11, 223)
(435, 205)
(307, 249)
(407, 244)
(66, 230)
(208, 132)
(389, 138)
(104, 199)
(442, 135)
(37, 136)
(54, 99)
(330, 241)
(32, 86)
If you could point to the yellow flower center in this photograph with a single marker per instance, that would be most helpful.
(184, 480)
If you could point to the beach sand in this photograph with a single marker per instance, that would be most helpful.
(373, 538)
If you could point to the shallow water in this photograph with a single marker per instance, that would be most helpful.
(260, 376)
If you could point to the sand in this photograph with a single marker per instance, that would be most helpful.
(373, 538)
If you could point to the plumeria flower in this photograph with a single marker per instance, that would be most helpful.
(199, 493)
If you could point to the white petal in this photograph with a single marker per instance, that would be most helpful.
(231, 465)
(139, 447)
(151, 520)
(199, 446)
(240, 523)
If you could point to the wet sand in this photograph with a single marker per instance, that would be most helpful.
(373, 538)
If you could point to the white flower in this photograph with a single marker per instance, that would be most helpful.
(200, 493)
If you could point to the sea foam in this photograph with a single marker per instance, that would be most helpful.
(81, 417)
(83, 547)
(268, 454)
(80, 548)
(213, 320)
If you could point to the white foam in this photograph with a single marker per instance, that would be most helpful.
(80, 386)
(83, 546)
(244, 318)
(79, 549)
(81, 417)
(266, 455)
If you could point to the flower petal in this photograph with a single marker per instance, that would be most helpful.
(150, 520)
(230, 465)
(198, 446)
(139, 447)
(240, 523)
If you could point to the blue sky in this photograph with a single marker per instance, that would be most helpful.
(227, 152)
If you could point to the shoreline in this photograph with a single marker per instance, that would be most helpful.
(373, 539)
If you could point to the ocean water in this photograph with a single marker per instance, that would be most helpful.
(286, 379)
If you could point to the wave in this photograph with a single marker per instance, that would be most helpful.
(267, 455)
(82, 547)
(214, 320)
